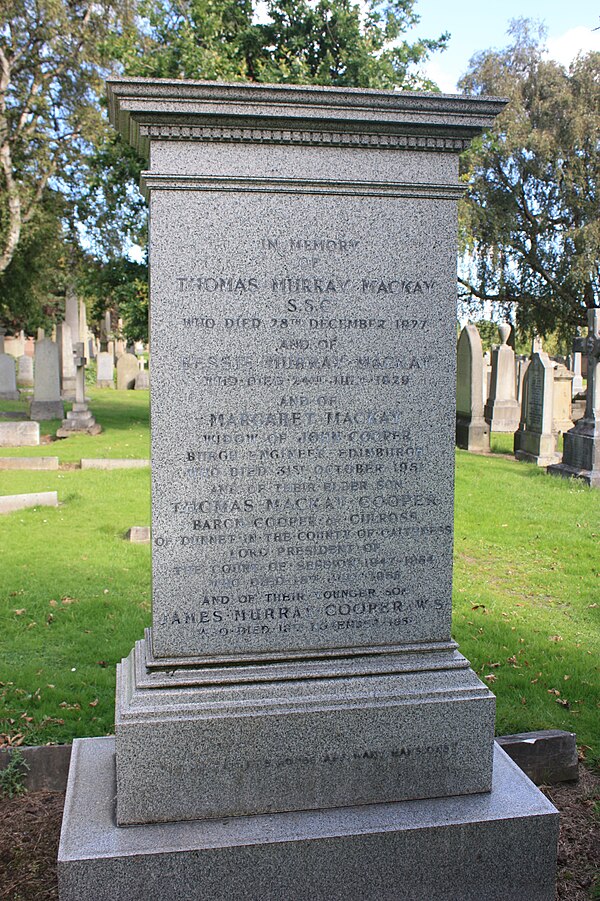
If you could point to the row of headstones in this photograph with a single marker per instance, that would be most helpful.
(59, 374)
(131, 372)
(525, 396)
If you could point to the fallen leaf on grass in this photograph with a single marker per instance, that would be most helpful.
(102, 663)
(491, 678)
(53, 603)
(555, 638)
(20, 612)
(523, 701)
(94, 703)
(554, 691)
(67, 600)
(563, 702)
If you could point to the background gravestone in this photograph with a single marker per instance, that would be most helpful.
(581, 447)
(535, 440)
(562, 419)
(105, 370)
(502, 409)
(472, 431)
(66, 361)
(46, 403)
(127, 370)
(300, 664)
(25, 371)
(8, 378)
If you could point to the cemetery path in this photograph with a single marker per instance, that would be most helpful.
(30, 831)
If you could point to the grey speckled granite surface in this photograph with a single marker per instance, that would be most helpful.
(496, 846)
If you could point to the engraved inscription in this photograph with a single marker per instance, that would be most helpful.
(303, 509)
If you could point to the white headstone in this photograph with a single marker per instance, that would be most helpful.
(46, 403)
(25, 367)
(105, 370)
(64, 343)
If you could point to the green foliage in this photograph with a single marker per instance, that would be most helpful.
(530, 220)
(12, 777)
(329, 42)
(32, 285)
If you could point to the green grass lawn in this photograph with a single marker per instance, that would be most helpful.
(123, 415)
(75, 596)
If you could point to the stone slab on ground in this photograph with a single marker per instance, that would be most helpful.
(48, 766)
(114, 463)
(28, 463)
(497, 847)
(11, 502)
(139, 534)
(547, 756)
(19, 434)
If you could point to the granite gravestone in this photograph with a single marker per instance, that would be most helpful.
(581, 447)
(472, 431)
(46, 403)
(300, 662)
(535, 440)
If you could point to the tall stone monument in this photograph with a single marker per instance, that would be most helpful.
(472, 431)
(46, 403)
(581, 445)
(299, 682)
(68, 372)
(502, 409)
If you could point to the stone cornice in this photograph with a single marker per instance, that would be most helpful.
(151, 182)
(145, 109)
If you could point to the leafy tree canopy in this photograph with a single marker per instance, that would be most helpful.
(530, 224)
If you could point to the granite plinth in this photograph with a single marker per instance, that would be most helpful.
(531, 447)
(472, 436)
(497, 846)
(188, 748)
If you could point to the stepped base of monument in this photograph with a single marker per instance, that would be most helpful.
(472, 435)
(581, 455)
(291, 738)
(496, 846)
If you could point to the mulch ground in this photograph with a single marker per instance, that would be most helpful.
(30, 830)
